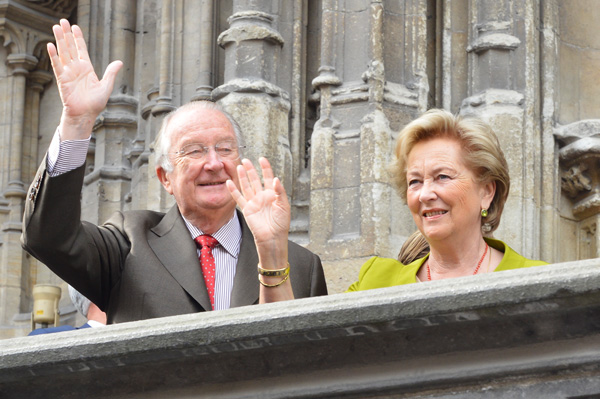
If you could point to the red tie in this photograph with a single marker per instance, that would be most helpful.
(207, 262)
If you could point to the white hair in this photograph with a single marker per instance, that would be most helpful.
(162, 143)
(82, 304)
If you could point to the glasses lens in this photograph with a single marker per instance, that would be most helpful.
(195, 151)
(224, 149)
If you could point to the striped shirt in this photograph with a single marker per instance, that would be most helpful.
(64, 156)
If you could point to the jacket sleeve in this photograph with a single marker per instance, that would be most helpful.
(86, 256)
(363, 270)
(318, 285)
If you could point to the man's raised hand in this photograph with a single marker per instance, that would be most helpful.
(83, 95)
(266, 209)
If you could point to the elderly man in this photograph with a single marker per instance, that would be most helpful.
(198, 256)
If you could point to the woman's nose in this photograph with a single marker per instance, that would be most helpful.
(427, 192)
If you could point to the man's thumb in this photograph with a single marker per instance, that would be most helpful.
(110, 74)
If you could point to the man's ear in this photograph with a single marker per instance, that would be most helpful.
(164, 179)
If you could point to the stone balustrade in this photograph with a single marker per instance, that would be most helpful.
(526, 333)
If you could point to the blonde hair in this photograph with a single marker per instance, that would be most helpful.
(481, 148)
(415, 247)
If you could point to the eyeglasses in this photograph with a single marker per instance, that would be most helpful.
(224, 149)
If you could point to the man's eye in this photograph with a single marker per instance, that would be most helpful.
(194, 152)
(224, 150)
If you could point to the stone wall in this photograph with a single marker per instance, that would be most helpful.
(321, 87)
(529, 333)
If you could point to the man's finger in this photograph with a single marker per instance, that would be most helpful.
(54, 60)
(247, 190)
(71, 47)
(235, 193)
(253, 178)
(61, 45)
(267, 172)
(80, 43)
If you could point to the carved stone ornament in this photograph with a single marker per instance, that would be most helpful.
(574, 180)
(579, 158)
(59, 6)
(494, 35)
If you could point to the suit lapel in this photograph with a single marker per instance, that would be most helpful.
(245, 284)
(177, 252)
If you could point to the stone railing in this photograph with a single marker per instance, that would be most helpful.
(526, 333)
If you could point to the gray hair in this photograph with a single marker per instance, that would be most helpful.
(162, 143)
(82, 304)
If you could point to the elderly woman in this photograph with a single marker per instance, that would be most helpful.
(454, 177)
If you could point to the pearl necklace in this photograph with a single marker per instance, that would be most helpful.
(476, 269)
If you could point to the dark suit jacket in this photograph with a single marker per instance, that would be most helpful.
(139, 264)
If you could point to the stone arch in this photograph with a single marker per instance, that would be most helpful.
(12, 39)
(41, 54)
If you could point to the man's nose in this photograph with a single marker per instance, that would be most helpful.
(212, 160)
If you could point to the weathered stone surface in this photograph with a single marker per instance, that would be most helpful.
(530, 332)
(322, 88)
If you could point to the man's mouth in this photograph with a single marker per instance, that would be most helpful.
(212, 184)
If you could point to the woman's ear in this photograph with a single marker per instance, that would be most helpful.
(488, 192)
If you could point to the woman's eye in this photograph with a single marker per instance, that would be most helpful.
(413, 182)
(443, 177)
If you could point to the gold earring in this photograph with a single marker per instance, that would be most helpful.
(484, 213)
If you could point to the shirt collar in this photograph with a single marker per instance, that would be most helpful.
(229, 236)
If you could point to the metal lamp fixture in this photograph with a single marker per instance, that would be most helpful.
(45, 305)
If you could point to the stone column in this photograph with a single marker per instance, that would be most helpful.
(206, 58)
(164, 101)
(503, 89)
(452, 75)
(25, 28)
(298, 127)
(354, 211)
(580, 176)
(155, 21)
(322, 140)
(576, 62)
(20, 64)
(37, 82)
(107, 186)
(550, 229)
(250, 93)
(13, 261)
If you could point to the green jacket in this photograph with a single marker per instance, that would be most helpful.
(384, 272)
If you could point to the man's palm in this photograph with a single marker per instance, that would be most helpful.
(82, 93)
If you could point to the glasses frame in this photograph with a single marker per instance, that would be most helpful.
(206, 150)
